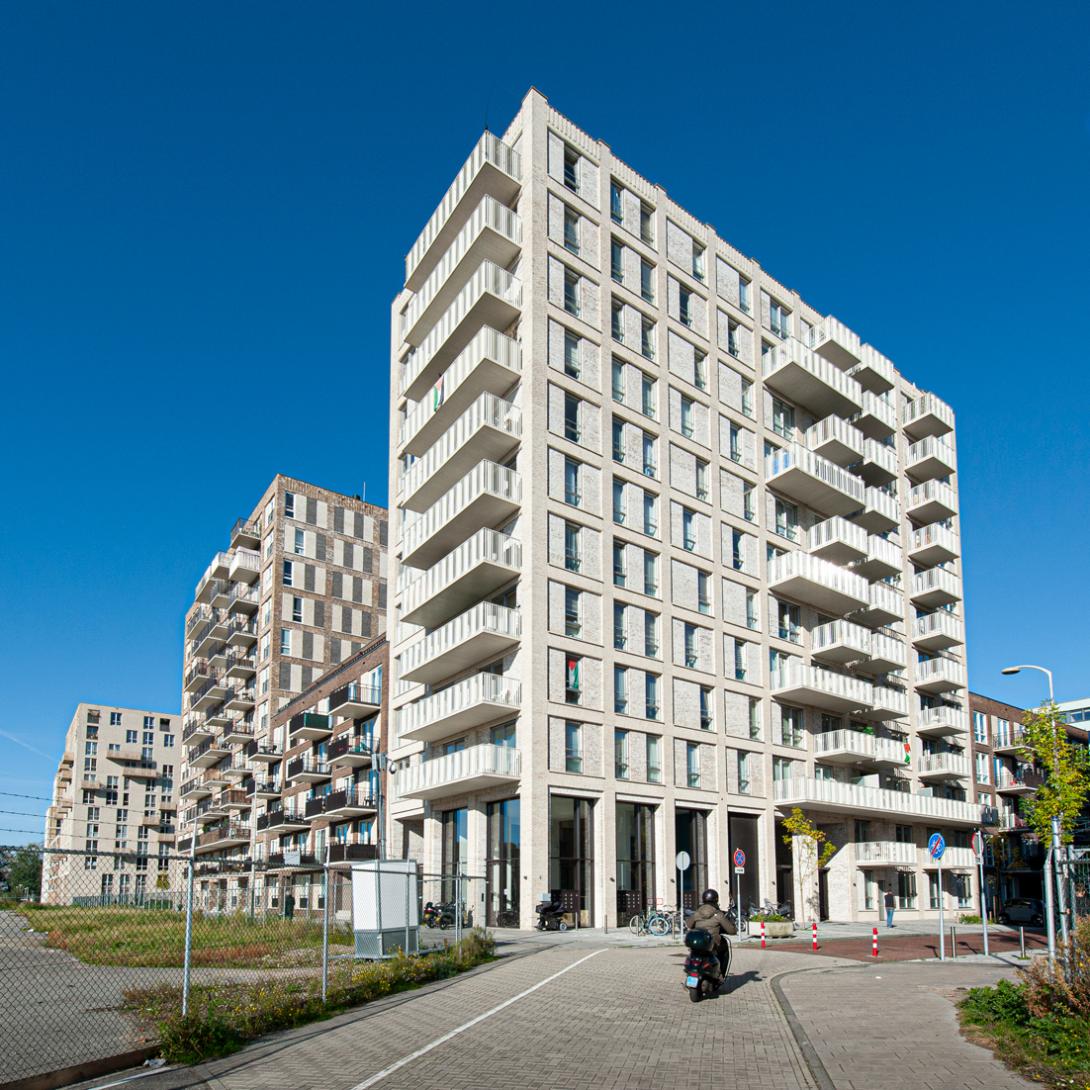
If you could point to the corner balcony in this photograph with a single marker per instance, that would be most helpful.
(812, 581)
(467, 704)
(239, 699)
(935, 587)
(939, 675)
(881, 512)
(857, 747)
(197, 674)
(884, 853)
(884, 605)
(241, 631)
(941, 721)
(946, 765)
(209, 583)
(886, 653)
(930, 458)
(934, 544)
(799, 375)
(878, 802)
(476, 569)
(309, 726)
(879, 463)
(246, 535)
(486, 631)
(876, 418)
(840, 642)
(350, 750)
(242, 599)
(245, 566)
(835, 440)
(927, 415)
(889, 703)
(953, 858)
(343, 854)
(492, 233)
(809, 479)
(209, 693)
(238, 729)
(874, 372)
(286, 819)
(932, 501)
(207, 754)
(883, 557)
(488, 494)
(837, 540)
(195, 788)
(490, 364)
(209, 636)
(353, 800)
(489, 430)
(818, 688)
(492, 168)
(492, 298)
(355, 701)
(837, 343)
(937, 631)
(240, 665)
(478, 768)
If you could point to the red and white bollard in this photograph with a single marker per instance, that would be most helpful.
(874, 942)
(762, 934)
(813, 932)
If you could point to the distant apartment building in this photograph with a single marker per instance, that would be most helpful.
(673, 553)
(115, 794)
(300, 589)
(1076, 712)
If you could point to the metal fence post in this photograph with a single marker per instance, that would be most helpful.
(325, 926)
(188, 956)
(457, 906)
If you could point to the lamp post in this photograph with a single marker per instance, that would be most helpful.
(1052, 856)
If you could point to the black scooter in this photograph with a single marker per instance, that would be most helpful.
(550, 916)
(704, 970)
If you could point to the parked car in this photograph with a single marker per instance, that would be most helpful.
(1023, 910)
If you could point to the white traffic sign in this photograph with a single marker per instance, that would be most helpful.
(682, 861)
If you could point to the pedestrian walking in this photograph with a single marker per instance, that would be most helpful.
(891, 904)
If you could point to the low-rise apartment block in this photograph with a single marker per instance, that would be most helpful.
(114, 793)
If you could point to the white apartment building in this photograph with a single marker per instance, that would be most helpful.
(114, 794)
(673, 553)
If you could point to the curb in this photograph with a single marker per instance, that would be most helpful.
(809, 1053)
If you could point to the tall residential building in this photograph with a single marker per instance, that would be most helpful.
(301, 588)
(674, 554)
(114, 793)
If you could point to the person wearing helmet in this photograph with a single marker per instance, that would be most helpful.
(710, 917)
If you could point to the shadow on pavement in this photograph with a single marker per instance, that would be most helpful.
(739, 980)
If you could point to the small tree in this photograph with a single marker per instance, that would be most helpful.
(25, 872)
(162, 882)
(1067, 774)
(818, 850)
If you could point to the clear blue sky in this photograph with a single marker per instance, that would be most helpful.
(204, 209)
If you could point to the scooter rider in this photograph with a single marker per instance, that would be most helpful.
(709, 917)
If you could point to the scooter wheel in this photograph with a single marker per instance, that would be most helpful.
(695, 994)
(562, 926)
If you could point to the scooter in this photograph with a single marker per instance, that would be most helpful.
(550, 917)
(704, 973)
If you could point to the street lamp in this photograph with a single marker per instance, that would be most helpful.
(1056, 831)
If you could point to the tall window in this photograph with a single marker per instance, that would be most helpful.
(701, 479)
(571, 482)
(779, 320)
(616, 209)
(572, 558)
(620, 754)
(688, 529)
(619, 564)
(620, 627)
(650, 521)
(747, 397)
(737, 549)
(791, 726)
(289, 573)
(654, 758)
(285, 641)
(573, 747)
(647, 281)
(698, 261)
(617, 379)
(700, 370)
(749, 507)
(572, 678)
(687, 416)
(647, 338)
(616, 330)
(741, 660)
(289, 505)
(620, 689)
(647, 224)
(571, 417)
(650, 573)
(743, 294)
(573, 625)
(692, 764)
(616, 261)
(647, 395)
(571, 169)
(571, 292)
(685, 303)
(735, 443)
(705, 708)
(651, 695)
(571, 230)
(649, 467)
(571, 354)
(650, 635)
(755, 730)
(618, 502)
(703, 592)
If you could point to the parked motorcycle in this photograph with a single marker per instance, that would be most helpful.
(703, 971)
(431, 915)
(741, 924)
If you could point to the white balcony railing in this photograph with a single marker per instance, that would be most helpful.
(939, 623)
(878, 454)
(832, 338)
(841, 634)
(928, 405)
(941, 669)
(797, 676)
(845, 391)
(881, 550)
(798, 457)
(937, 537)
(876, 367)
(481, 691)
(931, 447)
(456, 770)
(885, 853)
(888, 649)
(486, 617)
(799, 566)
(953, 720)
(882, 503)
(933, 493)
(954, 764)
(936, 581)
(833, 794)
(489, 546)
(877, 408)
(858, 743)
(835, 434)
(836, 529)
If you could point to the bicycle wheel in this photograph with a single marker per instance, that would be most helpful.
(658, 925)
(635, 925)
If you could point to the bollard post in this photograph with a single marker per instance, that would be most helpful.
(762, 934)
(1022, 941)
(813, 931)
(325, 927)
(874, 942)
(953, 942)
(188, 955)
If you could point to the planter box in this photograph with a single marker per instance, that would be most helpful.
(774, 929)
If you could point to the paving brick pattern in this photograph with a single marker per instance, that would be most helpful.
(895, 947)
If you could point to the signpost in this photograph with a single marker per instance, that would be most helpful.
(739, 870)
(978, 847)
(682, 862)
(935, 847)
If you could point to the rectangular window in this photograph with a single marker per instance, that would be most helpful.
(698, 261)
(573, 625)
(651, 695)
(620, 690)
(755, 731)
(700, 370)
(650, 469)
(735, 443)
(647, 338)
(571, 418)
(616, 331)
(703, 592)
(571, 169)
(617, 380)
(737, 550)
(687, 416)
(297, 609)
(571, 292)
(743, 772)
(692, 764)
(620, 754)
(689, 634)
(650, 635)
(647, 281)
(701, 479)
(650, 522)
(300, 545)
(572, 670)
(654, 758)
(647, 396)
(571, 482)
(618, 502)
(573, 747)
(982, 768)
(741, 656)
(752, 620)
(747, 398)
(620, 627)
(289, 573)
(289, 505)
(616, 261)
(572, 559)
(980, 728)
(650, 574)
(616, 209)
(783, 419)
(647, 224)
(285, 641)
(688, 529)
(619, 564)
(743, 295)
(791, 730)
(705, 708)
(571, 230)
(618, 440)
(779, 319)
(571, 354)
(685, 299)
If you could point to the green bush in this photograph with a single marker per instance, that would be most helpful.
(969, 917)
(1006, 1002)
(768, 917)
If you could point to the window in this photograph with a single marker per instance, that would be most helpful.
(732, 338)
(571, 169)
(647, 281)
(115, 719)
(749, 510)
(650, 573)
(688, 529)
(300, 544)
(735, 443)
(130, 736)
(703, 592)
(616, 210)
(573, 624)
(787, 520)
(617, 383)
(289, 573)
(618, 502)
(779, 320)
(573, 747)
(906, 889)
(571, 418)
(297, 609)
(654, 758)
(685, 301)
(705, 708)
(619, 626)
(698, 261)
(755, 730)
(571, 292)
(650, 635)
(783, 419)
(572, 559)
(791, 720)
(747, 397)
(620, 689)
(571, 482)
(647, 396)
(616, 261)
(700, 370)
(571, 354)
(649, 467)
(752, 620)
(687, 416)
(285, 641)
(620, 754)
(647, 224)
(980, 729)
(692, 764)
(789, 622)
(741, 656)
(743, 772)
(571, 230)
(650, 521)
(619, 564)
(651, 695)
(737, 549)
(743, 295)
(647, 337)
(701, 479)
(572, 665)
(782, 768)
(982, 768)
(618, 440)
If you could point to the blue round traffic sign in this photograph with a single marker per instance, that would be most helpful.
(936, 846)
(739, 857)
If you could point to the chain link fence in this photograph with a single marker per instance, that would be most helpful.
(118, 942)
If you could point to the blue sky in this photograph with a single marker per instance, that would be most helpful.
(204, 209)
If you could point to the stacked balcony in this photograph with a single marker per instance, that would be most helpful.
(881, 512)
(813, 581)
(935, 587)
(834, 341)
(246, 535)
(483, 632)
(266, 789)
(1013, 741)
(836, 440)
(350, 751)
(238, 729)
(884, 605)
(888, 703)
(208, 693)
(932, 501)
(927, 415)
(884, 853)
(840, 642)
(286, 819)
(937, 631)
(879, 463)
(876, 418)
(939, 675)
(309, 726)
(477, 768)
(799, 375)
(472, 702)
(239, 664)
(857, 747)
(799, 683)
(837, 540)
(207, 754)
(929, 459)
(934, 544)
(210, 583)
(241, 631)
(837, 797)
(887, 653)
(343, 853)
(954, 858)
(263, 753)
(476, 569)
(883, 557)
(874, 372)
(1024, 781)
(231, 835)
(307, 769)
(942, 720)
(245, 566)
(943, 765)
(809, 479)
(352, 800)
(355, 700)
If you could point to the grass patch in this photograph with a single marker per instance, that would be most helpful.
(222, 1019)
(155, 938)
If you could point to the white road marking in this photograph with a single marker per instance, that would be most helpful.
(468, 1025)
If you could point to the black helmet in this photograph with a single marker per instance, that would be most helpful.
(710, 897)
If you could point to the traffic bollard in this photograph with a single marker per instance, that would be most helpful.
(1022, 942)
(953, 942)
(762, 934)
(813, 931)
(874, 942)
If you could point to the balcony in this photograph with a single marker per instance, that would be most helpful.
(889, 703)
(932, 501)
(953, 858)
(492, 298)
(835, 440)
(343, 855)
(488, 494)
(489, 364)
(197, 729)
(467, 704)
(209, 584)
(1022, 782)
(355, 700)
(799, 375)
(492, 168)
(477, 768)
(857, 747)
(937, 631)
(813, 581)
(884, 853)
(239, 699)
(350, 750)
(942, 720)
(262, 753)
(238, 730)
(350, 801)
(840, 642)
(927, 415)
(935, 587)
(874, 372)
(484, 632)
(819, 688)
(1010, 741)
(883, 557)
(886, 653)
(885, 604)
(293, 860)
(309, 726)
(207, 754)
(307, 769)
(195, 788)
(239, 665)
(476, 569)
(207, 694)
(934, 544)
(492, 233)
(930, 458)
(837, 540)
(939, 675)
(245, 566)
(287, 819)
(945, 765)
(831, 795)
(879, 463)
(245, 535)
(266, 789)
(231, 835)
(809, 479)
(197, 674)
(837, 343)
(877, 418)
(489, 430)
(242, 599)
(881, 512)
(234, 799)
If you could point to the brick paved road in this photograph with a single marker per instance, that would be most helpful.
(894, 947)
